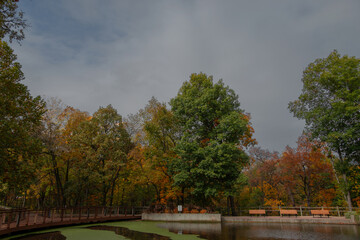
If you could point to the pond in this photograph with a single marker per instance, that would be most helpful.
(142, 230)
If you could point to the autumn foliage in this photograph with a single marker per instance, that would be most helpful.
(301, 176)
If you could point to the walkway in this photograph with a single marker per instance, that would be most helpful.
(24, 220)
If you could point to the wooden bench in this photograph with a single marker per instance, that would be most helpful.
(257, 212)
(288, 212)
(320, 213)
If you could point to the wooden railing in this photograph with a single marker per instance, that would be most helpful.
(23, 219)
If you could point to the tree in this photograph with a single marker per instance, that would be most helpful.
(210, 156)
(264, 177)
(20, 115)
(11, 21)
(58, 125)
(105, 144)
(155, 132)
(306, 171)
(330, 105)
(53, 144)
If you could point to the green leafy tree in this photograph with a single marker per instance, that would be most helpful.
(20, 115)
(210, 155)
(330, 105)
(12, 22)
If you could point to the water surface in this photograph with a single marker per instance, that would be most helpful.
(142, 230)
(266, 231)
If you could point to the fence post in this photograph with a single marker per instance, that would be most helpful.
(28, 218)
(132, 211)
(35, 218)
(52, 215)
(62, 214)
(3, 218)
(279, 210)
(18, 219)
(9, 219)
(337, 208)
(300, 211)
(71, 213)
(79, 213)
(95, 212)
(44, 216)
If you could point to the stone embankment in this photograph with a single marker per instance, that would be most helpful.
(181, 217)
(277, 219)
(188, 217)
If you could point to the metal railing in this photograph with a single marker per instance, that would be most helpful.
(302, 211)
(26, 219)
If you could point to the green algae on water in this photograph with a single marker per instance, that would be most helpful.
(83, 232)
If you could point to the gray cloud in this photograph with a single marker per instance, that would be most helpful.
(93, 53)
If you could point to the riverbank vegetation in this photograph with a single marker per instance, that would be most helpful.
(198, 149)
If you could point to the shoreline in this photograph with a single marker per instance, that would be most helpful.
(293, 219)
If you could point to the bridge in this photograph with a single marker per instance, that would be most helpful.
(22, 220)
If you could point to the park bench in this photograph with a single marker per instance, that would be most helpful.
(320, 213)
(288, 212)
(257, 212)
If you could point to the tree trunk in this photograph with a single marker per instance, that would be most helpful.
(113, 187)
(291, 195)
(337, 177)
(348, 196)
(346, 190)
(104, 192)
(228, 205)
(308, 194)
(122, 197)
(60, 191)
(24, 202)
(112, 194)
(182, 196)
(232, 206)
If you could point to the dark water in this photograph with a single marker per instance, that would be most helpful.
(42, 236)
(134, 235)
(226, 231)
(268, 231)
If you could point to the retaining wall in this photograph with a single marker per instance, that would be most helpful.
(181, 217)
(307, 219)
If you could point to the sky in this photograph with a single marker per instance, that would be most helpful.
(91, 53)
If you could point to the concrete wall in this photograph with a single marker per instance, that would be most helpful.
(277, 219)
(181, 217)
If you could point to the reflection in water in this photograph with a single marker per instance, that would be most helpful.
(43, 236)
(268, 231)
(201, 229)
(134, 235)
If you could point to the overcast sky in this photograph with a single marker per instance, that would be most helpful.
(92, 53)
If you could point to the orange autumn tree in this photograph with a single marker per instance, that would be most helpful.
(263, 177)
(154, 130)
(307, 174)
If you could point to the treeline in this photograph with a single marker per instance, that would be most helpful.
(191, 154)
(197, 150)
(301, 176)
